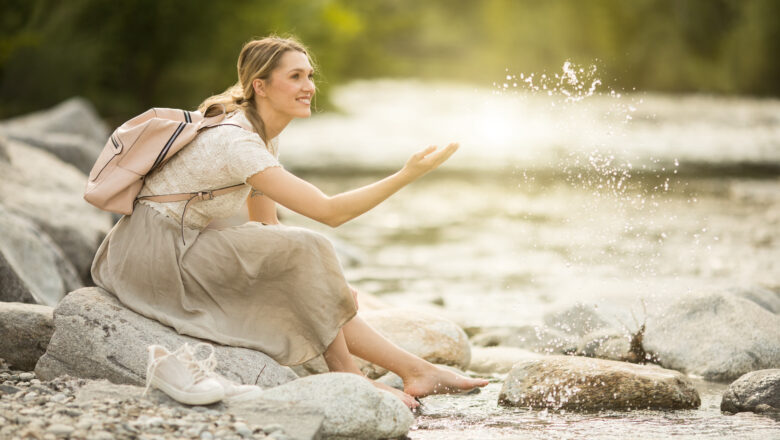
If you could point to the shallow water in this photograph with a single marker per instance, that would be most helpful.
(478, 417)
(545, 206)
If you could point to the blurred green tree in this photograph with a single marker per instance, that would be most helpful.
(126, 56)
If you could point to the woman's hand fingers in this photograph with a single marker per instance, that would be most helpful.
(430, 158)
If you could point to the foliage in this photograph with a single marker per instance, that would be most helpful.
(130, 55)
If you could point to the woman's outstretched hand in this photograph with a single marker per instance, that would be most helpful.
(428, 160)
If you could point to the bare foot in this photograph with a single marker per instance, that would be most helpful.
(437, 380)
(408, 400)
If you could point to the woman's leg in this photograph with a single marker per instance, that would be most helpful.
(339, 359)
(421, 378)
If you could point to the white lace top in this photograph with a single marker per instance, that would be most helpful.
(217, 157)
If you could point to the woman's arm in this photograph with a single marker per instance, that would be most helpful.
(306, 199)
(261, 208)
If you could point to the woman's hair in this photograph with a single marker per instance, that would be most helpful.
(258, 58)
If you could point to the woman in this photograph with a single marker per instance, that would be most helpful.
(259, 285)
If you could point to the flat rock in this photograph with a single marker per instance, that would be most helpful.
(33, 269)
(26, 330)
(718, 336)
(498, 360)
(96, 337)
(751, 391)
(353, 408)
(54, 203)
(575, 383)
(298, 421)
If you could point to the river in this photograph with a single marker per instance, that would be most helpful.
(613, 199)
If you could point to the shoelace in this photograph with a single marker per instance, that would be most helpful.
(187, 354)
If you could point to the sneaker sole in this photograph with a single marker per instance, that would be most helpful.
(204, 398)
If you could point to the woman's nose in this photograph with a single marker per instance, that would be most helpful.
(309, 86)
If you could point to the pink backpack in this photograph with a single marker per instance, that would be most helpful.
(138, 147)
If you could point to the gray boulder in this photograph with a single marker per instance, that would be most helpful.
(96, 337)
(715, 335)
(353, 407)
(576, 320)
(33, 269)
(40, 187)
(71, 131)
(528, 337)
(26, 330)
(574, 383)
(765, 298)
(757, 391)
(606, 344)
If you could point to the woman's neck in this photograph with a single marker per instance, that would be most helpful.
(273, 121)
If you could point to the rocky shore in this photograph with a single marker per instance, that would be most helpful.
(74, 360)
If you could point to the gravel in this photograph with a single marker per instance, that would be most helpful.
(30, 408)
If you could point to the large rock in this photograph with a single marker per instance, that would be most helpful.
(718, 336)
(528, 337)
(33, 269)
(40, 187)
(765, 298)
(430, 337)
(574, 383)
(353, 407)
(96, 337)
(26, 330)
(757, 391)
(71, 131)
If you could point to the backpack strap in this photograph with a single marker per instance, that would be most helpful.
(199, 195)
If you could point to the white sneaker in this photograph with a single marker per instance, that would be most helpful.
(234, 392)
(185, 381)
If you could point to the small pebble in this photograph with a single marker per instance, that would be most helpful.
(205, 435)
(242, 429)
(27, 376)
(59, 397)
(278, 435)
(113, 412)
(60, 429)
(273, 427)
(30, 396)
(100, 435)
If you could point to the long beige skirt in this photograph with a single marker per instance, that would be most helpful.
(276, 289)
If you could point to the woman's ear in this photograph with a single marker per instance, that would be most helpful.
(259, 86)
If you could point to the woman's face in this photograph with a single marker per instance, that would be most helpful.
(290, 88)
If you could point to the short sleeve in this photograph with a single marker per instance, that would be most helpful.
(248, 155)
